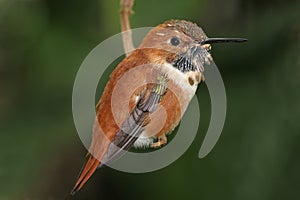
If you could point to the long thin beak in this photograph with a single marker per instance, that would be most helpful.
(222, 40)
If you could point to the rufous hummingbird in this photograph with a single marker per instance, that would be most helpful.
(163, 72)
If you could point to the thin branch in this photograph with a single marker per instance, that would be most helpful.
(125, 12)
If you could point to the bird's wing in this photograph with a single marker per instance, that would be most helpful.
(105, 149)
(134, 125)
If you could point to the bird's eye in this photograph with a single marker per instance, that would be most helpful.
(174, 41)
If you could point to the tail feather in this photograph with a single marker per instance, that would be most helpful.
(86, 172)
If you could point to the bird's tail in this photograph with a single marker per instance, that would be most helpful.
(86, 172)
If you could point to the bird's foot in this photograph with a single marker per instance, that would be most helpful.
(162, 140)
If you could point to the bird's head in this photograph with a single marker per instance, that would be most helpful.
(186, 42)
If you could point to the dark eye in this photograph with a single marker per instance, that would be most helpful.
(174, 41)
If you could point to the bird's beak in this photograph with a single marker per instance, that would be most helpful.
(222, 40)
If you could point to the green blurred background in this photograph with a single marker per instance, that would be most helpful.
(43, 43)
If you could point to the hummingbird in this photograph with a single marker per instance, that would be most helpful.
(148, 92)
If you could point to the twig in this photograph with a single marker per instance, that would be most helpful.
(125, 12)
